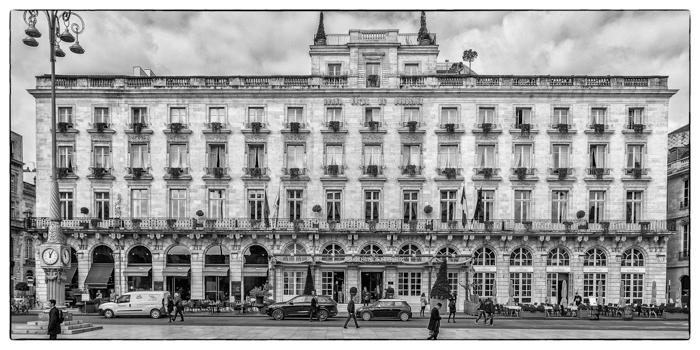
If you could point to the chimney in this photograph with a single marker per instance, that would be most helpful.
(138, 72)
(150, 73)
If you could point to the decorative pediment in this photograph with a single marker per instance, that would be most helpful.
(295, 137)
(215, 137)
(449, 137)
(65, 137)
(411, 138)
(560, 137)
(139, 138)
(255, 137)
(334, 138)
(333, 101)
(523, 137)
(486, 137)
(372, 138)
(101, 138)
(176, 137)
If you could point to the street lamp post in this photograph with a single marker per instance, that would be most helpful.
(55, 253)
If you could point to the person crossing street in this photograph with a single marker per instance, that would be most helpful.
(178, 308)
(351, 311)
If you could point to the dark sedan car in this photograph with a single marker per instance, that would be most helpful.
(300, 306)
(386, 308)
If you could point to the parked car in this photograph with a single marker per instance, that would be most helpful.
(385, 308)
(300, 306)
(135, 304)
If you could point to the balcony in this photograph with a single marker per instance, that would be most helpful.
(523, 128)
(295, 128)
(487, 173)
(449, 173)
(177, 173)
(678, 166)
(138, 128)
(684, 255)
(636, 129)
(256, 172)
(561, 128)
(218, 173)
(635, 173)
(487, 128)
(65, 128)
(374, 126)
(560, 174)
(411, 170)
(177, 128)
(100, 128)
(373, 170)
(66, 172)
(373, 81)
(295, 173)
(599, 129)
(216, 128)
(450, 128)
(599, 173)
(256, 128)
(336, 81)
(334, 126)
(523, 174)
(138, 173)
(100, 173)
(409, 81)
(334, 170)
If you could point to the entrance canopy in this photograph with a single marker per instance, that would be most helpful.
(221, 271)
(99, 275)
(71, 272)
(176, 271)
(137, 271)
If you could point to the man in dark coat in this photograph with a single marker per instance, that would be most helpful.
(351, 312)
(434, 324)
(490, 310)
(179, 308)
(314, 307)
(55, 316)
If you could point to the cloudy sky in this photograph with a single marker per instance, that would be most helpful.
(232, 43)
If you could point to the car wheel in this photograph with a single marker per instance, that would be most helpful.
(155, 313)
(403, 316)
(109, 313)
(323, 315)
(366, 316)
(278, 314)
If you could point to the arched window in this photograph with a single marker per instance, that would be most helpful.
(558, 257)
(520, 257)
(595, 257)
(29, 249)
(333, 250)
(102, 255)
(484, 256)
(256, 255)
(371, 249)
(217, 255)
(633, 257)
(178, 255)
(291, 252)
(449, 253)
(408, 251)
(139, 255)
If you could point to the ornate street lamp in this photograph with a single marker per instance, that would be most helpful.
(55, 253)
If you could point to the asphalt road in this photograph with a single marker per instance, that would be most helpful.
(421, 323)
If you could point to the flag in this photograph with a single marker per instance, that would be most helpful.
(477, 207)
(277, 203)
(266, 211)
(463, 202)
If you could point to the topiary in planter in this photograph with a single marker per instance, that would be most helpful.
(294, 127)
(412, 126)
(488, 173)
(450, 173)
(562, 172)
(427, 209)
(450, 128)
(317, 208)
(486, 127)
(309, 285)
(441, 289)
(563, 128)
(84, 211)
(525, 128)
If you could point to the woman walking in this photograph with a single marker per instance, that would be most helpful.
(169, 305)
(423, 304)
(453, 311)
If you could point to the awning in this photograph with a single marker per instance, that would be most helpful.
(215, 271)
(136, 271)
(99, 275)
(71, 272)
(178, 271)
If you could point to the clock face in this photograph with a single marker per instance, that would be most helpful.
(50, 256)
(65, 257)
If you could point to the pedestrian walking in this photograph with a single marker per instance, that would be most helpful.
(423, 304)
(169, 305)
(365, 296)
(434, 323)
(481, 310)
(351, 312)
(453, 311)
(577, 299)
(490, 310)
(178, 308)
(314, 307)
(55, 320)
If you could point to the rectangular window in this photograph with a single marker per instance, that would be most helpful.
(686, 193)
(371, 205)
(294, 201)
(561, 116)
(372, 115)
(448, 115)
(591, 283)
(598, 116)
(522, 205)
(334, 69)
(327, 282)
(66, 205)
(523, 116)
(294, 282)
(635, 116)
(411, 155)
(256, 114)
(217, 115)
(597, 156)
(373, 155)
(633, 286)
(634, 206)
(65, 157)
(333, 201)
(372, 73)
(178, 203)
(334, 114)
(634, 156)
(486, 156)
(453, 281)
(410, 69)
(447, 156)
(101, 115)
(65, 115)
(487, 115)
(102, 205)
(139, 155)
(178, 115)
(101, 157)
(686, 240)
(217, 199)
(560, 156)
(448, 205)
(138, 115)
(596, 203)
(410, 205)
(484, 284)
(178, 156)
(294, 115)
(488, 199)
(256, 201)
(139, 203)
(522, 287)
(217, 155)
(410, 284)
(334, 155)
(560, 206)
(295, 156)
(256, 156)
(411, 114)
(522, 156)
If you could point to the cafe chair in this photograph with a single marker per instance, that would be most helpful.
(556, 310)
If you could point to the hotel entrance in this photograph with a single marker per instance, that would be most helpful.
(559, 287)
(373, 283)
(333, 284)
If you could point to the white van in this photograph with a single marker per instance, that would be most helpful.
(135, 304)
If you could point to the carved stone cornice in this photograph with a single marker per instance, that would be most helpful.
(486, 137)
(139, 137)
(295, 137)
(333, 137)
(449, 137)
(372, 138)
(411, 138)
(255, 137)
(101, 138)
(216, 137)
(561, 136)
(177, 137)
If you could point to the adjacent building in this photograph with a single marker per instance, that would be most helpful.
(373, 159)
(678, 266)
(22, 201)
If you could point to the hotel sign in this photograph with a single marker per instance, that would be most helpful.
(558, 268)
(589, 269)
(633, 270)
(377, 259)
(485, 268)
(520, 269)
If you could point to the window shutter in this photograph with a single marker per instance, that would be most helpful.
(245, 155)
(304, 162)
(147, 156)
(92, 155)
(187, 154)
(128, 155)
(264, 162)
(111, 157)
(206, 155)
(225, 162)
(167, 155)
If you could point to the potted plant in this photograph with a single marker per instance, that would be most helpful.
(563, 128)
(521, 172)
(562, 172)
(488, 173)
(598, 172)
(175, 172)
(95, 222)
(567, 225)
(488, 225)
(209, 223)
(137, 127)
(486, 127)
(294, 173)
(583, 311)
(219, 172)
(334, 125)
(372, 170)
(532, 311)
(22, 288)
(137, 172)
(676, 313)
(63, 172)
(176, 127)
(333, 170)
(528, 225)
(373, 124)
(256, 126)
(450, 173)
(605, 225)
(441, 289)
(136, 223)
(63, 126)
(100, 127)
(450, 128)
(409, 170)
(85, 211)
(298, 224)
(412, 125)
(638, 128)
(170, 223)
(200, 222)
(599, 128)
(215, 126)
(525, 128)
(413, 225)
(294, 127)
(373, 80)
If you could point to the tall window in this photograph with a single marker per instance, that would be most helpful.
(561, 116)
(686, 193)
(293, 282)
(596, 204)
(558, 257)
(334, 155)
(448, 115)
(595, 257)
(102, 205)
(217, 198)
(256, 114)
(523, 116)
(411, 114)
(522, 287)
(634, 156)
(372, 115)
(178, 115)
(178, 155)
(521, 257)
(522, 157)
(65, 115)
(634, 206)
(371, 205)
(448, 156)
(408, 251)
(333, 201)
(447, 252)
(488, 199)
(178, 203)
(448, 205)
(635, 116)
(295, 156)
(409, 283)
(597, 156)
(217, 115)
(66, 205)
(373, 155)
(373, 75)
(294, 201)
(594, 285)
(411, 155)
(598, 116)
(139, 155)
(633, 257)
(138, 115)
(256, 156)
(410, 69)
(522, 205)
(633, 286)
(486, 115)
(294, 115)
(139, 203)
(560, 155)
(217, 155)
(484, 256)
(685, 230)
(101, 115)
(101, 157)
(29, 248)
(453, 281)
(334, 69)
(256, 201)
(484, 284)
(486, 155)
(560, 206)
(334, 114)
(410, 205)
(65, 157)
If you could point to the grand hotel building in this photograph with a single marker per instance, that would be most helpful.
(571, 171)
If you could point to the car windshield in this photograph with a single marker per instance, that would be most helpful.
(124, 299)
(300, 299)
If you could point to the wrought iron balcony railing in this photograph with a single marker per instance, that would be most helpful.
(138, 172)
(411, 169)
(138, 127)
(451, 127)
(216, 126)
(486, 172)
(598, 172)
(561, 172)
(255, 126)
(522, 172)
(374, 125)
(372, 170)
(217, 172)
(294, 172)
(176, 172)
(255, 172)
(100, 126)
(449, 172)
(635, 171)
(177, 127)
(99, 172)
(334, 125)
(333, 170)
(294, 126)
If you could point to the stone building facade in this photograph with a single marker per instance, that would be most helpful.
(678, 266)
(22, 200)
(356, 152)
